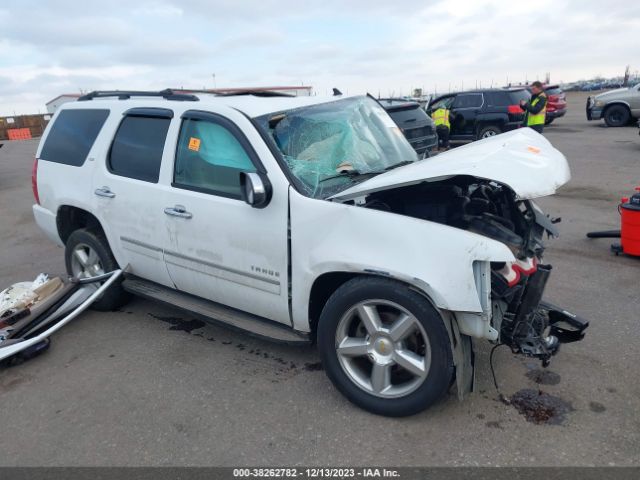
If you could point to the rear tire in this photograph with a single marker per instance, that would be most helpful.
(489, 131)
(616, 116)
(548, 121)
(385, 347)
(87, 254)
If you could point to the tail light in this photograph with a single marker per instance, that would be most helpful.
(34, 180)
(554, 98)
(515, 109)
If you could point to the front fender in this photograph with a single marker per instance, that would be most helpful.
(434, 258)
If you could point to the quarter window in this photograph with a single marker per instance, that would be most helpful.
(137, 148)
(210, 158)
(72, 136)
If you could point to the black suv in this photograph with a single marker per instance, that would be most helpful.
(414, 123)
(482, 113)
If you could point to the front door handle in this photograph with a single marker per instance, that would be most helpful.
(104, 192)
(178, 211)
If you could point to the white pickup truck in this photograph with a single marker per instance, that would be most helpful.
(311, 220)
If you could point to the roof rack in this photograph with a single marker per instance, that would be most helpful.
(236, 93)
(265, 93)
(127, 94)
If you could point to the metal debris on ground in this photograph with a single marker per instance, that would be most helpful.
(31, 311)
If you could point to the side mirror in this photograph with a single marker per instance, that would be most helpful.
(256, 189)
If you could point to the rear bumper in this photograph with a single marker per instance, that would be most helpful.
(556, 113)
(422, 144)
(47, 223)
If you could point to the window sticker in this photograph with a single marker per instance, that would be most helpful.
(194, 144)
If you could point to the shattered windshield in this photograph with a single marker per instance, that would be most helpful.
(331, 146)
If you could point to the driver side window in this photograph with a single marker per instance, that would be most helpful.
(210, 158)
(444, 103)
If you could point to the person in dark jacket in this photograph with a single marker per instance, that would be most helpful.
(536, 108)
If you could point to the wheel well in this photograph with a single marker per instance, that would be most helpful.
(327, 283)
(70, 219)
(614, 104)
(322, 289)
(488, 123)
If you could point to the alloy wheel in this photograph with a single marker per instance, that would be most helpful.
(85, 262)
(383, 348)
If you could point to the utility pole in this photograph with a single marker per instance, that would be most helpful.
(625, 82)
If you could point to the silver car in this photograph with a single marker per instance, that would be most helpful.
(617, 107)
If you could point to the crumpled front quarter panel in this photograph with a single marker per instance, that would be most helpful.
(333, 237)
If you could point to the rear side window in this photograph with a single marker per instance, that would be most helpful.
(72, 136)
(443, 102)
(468, 100)
(137, 148)
(517, 95)
(499, 99)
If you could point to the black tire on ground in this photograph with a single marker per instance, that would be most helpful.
(617, 116)
(548, 121)
(115, 296)
(489, 131)
(440, 372)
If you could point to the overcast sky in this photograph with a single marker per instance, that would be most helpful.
(386, 47)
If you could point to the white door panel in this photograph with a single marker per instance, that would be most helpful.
(220, 248)
(130, 210)
(230, 253)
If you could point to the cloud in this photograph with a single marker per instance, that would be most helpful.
(46, 31)
(361, 45)
(158, 9)
(165, 52)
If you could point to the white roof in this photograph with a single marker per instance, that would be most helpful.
(251, 105)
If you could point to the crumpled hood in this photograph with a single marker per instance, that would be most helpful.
(522, 159)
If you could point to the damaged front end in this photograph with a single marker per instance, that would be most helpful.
(515, 313)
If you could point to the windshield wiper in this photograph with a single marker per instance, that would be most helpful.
(349, 173)
(399, 164)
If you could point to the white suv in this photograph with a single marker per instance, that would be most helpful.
(311, 220)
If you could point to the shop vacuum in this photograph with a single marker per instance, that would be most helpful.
(629, 233)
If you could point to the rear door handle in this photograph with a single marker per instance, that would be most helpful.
(104, 192)
(178, 211)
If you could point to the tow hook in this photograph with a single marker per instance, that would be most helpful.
(566, 326)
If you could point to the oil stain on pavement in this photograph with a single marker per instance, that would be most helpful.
(178, 323)
(543, 377)
(540, 407)
(255, 357)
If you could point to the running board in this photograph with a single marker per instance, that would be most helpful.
(215, 312)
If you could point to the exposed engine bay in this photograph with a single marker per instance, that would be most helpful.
(525, 323)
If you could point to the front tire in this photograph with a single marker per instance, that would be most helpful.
(87, 254)
(616, 116)
(385, 347)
